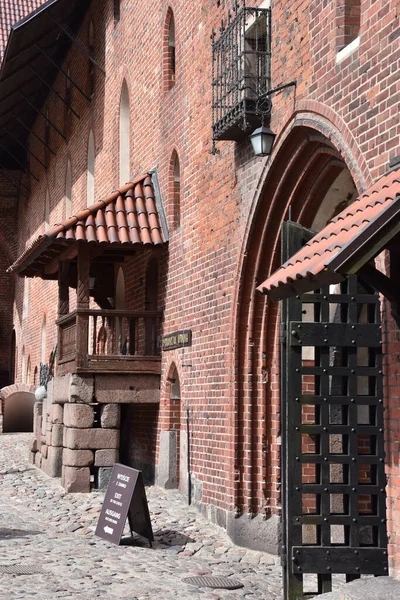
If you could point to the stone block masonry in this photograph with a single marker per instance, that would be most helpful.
(79, 439)
(78, 416)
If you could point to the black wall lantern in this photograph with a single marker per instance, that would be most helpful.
(262, 140)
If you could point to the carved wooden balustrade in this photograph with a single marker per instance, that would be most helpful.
(109, 341)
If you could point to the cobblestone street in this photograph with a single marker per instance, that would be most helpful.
(44, 529)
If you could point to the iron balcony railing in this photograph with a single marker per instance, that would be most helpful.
(241, 73)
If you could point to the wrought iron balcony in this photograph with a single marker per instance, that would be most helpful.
(109, 341)
(241, 72)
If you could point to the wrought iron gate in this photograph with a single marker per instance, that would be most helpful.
(333, 475)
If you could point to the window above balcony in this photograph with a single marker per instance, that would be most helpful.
(241, 71)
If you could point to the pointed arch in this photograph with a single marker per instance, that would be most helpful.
(124, 135)
(117, 11)
(68, 190)
(25, 303)
(23, 373)
(28, 371)
(120, 298)
(169, 52)
(90, 169)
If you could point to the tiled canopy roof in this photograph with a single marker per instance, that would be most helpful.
(12, 11)
(130, 216)
(350, 240)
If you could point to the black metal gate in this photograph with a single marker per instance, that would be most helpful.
(334, 513)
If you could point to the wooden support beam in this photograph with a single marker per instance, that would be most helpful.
(68, 254)
(382, 283)
(385, 285)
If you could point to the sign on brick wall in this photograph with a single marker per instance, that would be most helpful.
(177, 339)
(125, 497)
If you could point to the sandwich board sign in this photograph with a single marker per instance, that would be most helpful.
(125, 497)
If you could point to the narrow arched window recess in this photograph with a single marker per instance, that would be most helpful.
(43, 341)
(28, 371)
(47, 211)
(348, 21)
(25, 304)
(90, 170)
(68, 191)
(117, 12)
(170, 57)
(23, 372)
(124, 135)
(91, 53)
(175, 190)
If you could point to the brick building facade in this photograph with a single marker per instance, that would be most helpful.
(213, 407)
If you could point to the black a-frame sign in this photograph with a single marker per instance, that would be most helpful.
(125, 497)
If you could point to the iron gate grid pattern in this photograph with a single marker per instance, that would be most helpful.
(241, 73)
(334, 496)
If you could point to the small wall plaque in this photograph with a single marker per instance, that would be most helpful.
(177, 339)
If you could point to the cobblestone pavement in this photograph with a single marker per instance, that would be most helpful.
(43, 528)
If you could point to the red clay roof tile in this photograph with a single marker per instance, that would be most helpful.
(324, 257)
(128, 216)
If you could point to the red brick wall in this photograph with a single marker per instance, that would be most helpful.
(230, 375)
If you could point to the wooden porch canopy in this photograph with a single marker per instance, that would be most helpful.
(131, 217)
(347, 245)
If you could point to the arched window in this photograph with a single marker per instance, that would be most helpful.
(47, 210)
(25, 305)
(169, 63)
(28, 371)
(175, 389)
(175, 190)
(90, 64)
(68, 191)
(90, 170)
(120, 301)
(23, 372)
(124, 135)
(43, 344)
(117, 11)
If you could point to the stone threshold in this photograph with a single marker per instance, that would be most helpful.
(372, 588)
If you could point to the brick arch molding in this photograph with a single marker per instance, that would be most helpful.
(309, 155)
(7, 391)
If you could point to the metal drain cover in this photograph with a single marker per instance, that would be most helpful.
(221, 583)
(20, 570)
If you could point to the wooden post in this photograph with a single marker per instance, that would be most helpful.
(82, 302)
(63, 290)
(63, 303)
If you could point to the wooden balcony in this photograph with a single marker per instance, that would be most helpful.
(109, 341)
